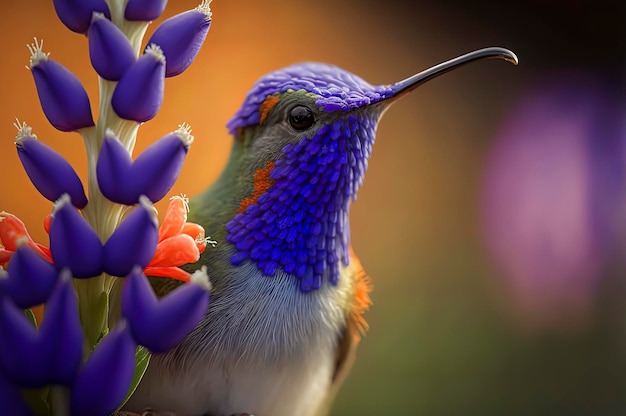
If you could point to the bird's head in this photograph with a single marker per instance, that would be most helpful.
(303, 137)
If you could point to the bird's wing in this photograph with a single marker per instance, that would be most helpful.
(355, 328)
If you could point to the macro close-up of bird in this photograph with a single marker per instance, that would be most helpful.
(288, 297)
(186, 226)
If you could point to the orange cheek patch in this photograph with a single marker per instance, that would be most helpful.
(262, 182)
(361, 301)
(267, 105)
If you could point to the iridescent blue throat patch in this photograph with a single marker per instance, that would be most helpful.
(300, 224)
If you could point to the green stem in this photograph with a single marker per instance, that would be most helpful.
(59, 399)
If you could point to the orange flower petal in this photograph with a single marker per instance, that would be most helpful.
(45, 253)
(171, 272)
(175, 251)
(46, 223)
(12, 229)
(13, 233)
(196, 231)
(175, 217)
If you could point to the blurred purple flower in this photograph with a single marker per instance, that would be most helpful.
(30, 278)
(50, 355)
(144, 10)
(105, 378)
(11, 401)
(553, 194)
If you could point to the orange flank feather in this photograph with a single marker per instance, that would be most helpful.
(361, 301)
(267, 105)
(262, 182)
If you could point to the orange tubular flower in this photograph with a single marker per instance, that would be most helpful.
(180, 242)
(13, 234)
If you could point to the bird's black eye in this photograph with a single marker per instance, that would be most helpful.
(301, 118)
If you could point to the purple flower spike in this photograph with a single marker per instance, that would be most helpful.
(11, 401)
(133, 242)
(139, 93)
(63, 99)
(21, 358)
(160, 325)
(73, 243)
(153, 173)
(113, 170)
(144, 10)
(104, 380)
(109, 49)
(30, 280)
(51, 174)
(181, 37)
(76, 14)
(61, 333)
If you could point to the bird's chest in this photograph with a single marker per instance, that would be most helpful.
(264, 348)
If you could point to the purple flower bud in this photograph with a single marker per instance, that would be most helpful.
(139, 93)
(109, 49)
(11, 401)
(158, 167)
(144, 10)
(113, 170)
(63, 99)
(152, 174)
(133, 242)
(21, 358)
(61, 334)
(105, 378)
(30, 279)
(76, 14)
(181, 37)
(51, 174)
(73, 243)
(160, 325)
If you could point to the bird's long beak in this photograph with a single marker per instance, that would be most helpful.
(405, 86)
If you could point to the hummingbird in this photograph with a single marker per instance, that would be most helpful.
(289, 294)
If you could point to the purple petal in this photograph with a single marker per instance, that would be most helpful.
(113, 171)
(161, 325)
(51, 174)
(73, 243)
(61, 333)
(11, 401)
(21, 358)
(155, 171)
(144, 10)
(30, 280)
(139, 93)
(103, 382)
(133, 242)
(181, 37)
(63, 99)
(76, 14)
(109, 49)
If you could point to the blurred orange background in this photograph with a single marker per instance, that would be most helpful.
(446, 336)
